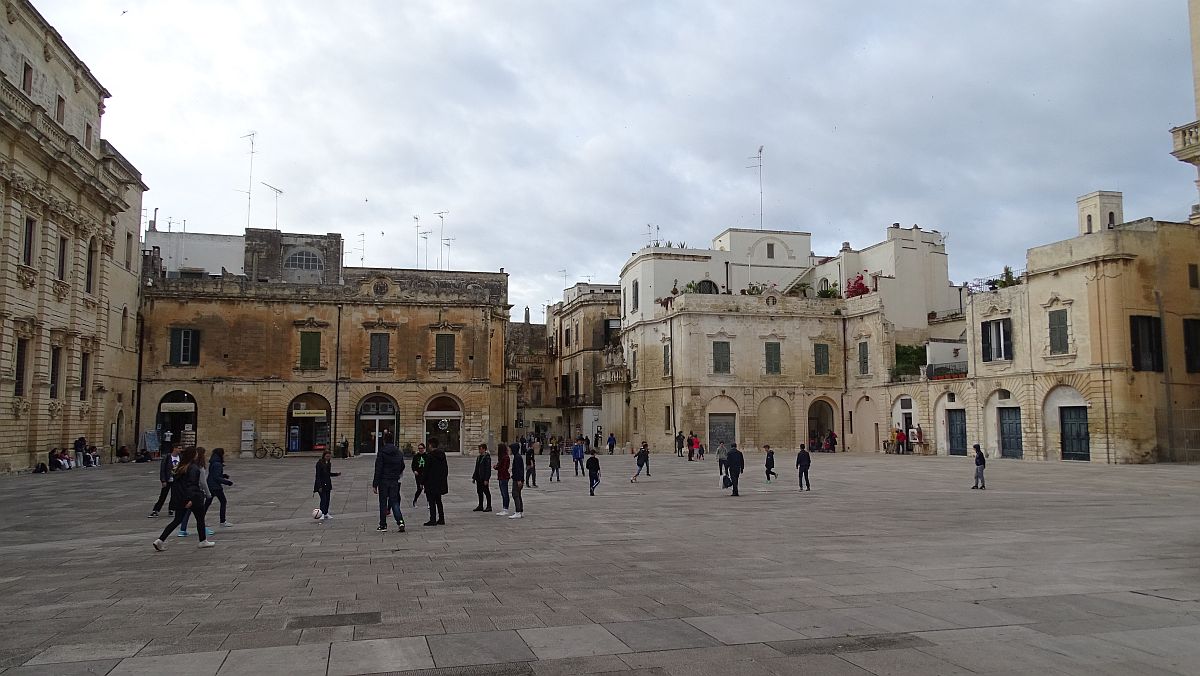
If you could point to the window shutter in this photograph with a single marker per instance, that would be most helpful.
(310, 349)
(986, 340)
(176, 346)
(1191, 344)
(1058, 332)
(720, 357)
(444, 346)
(773, 361)
(380, 345)
(821, 358)
(1135, 344)
(1156, 343)
(1006, 338)
(864, 359)
(194, 357)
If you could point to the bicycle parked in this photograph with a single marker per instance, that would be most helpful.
(266, 448)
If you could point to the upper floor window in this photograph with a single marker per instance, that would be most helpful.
(310, 349)
(185, 347)
(64, 254)
(444, 352)
(91, 269)
(124, 326)
(55, 370)
(633, 364)
(567, 334)
(720, 352)
(87, 136)
(27, 241)
(770, 250)
(1193, 276)
(21, 360)
(864, 358)
(380, 349)
(1191, 344)
(996, 340)
(304, 260)
(774, 364)
(667, 359)
(1145, 338)
(821, 359)
(85, 367)
(1112, 220)
(707, 286)
(129, 251)
(27, 80)
(633, 292)
(60, 110)
(1089, 222)
(1058, 332)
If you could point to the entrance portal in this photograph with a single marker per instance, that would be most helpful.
(176, 415)
(376, 417)
(308, 423)
(443, 425)
(820, 423)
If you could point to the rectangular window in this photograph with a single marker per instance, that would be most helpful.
(310, 349)
(770, 250)
(129, 251)
(64, 252)
(87, 137)
(444, 352)
(666, 418)
(1194, 276)
(1145, 337)
(851, 421)
(821, 359)
(774, 364)
(635, 419)
(578, 392)
(633, 364)
(720, 356)
(666, 360)
(633, 292)
(22, 360)
(864, 358)
(85, 367)
(185, 347)
(55, 370)
(27, 243)
(568, 337)
(89, 271)
(996, 340)
(1191, 344)
(60, 110)
(27, 80)
(380, 350)
(1058, 332)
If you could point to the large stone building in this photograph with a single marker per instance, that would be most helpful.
(69, 225)
(585, 322)
(313, 354)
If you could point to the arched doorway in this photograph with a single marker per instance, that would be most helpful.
(775, 425)
(376, 417)
(950, 422)
(1065, 421)
(176, 419)
(1002, 424)
(722, 422)
(820, 423)
(308, 423)
(443, 424)
(863, 429)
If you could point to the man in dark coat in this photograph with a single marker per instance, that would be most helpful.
(482, 477)
(518, 480)
(389, 467)
(736, 464)
(803, 462)
(980, 463)
(166, 476)
(679, 442)
(437, 478)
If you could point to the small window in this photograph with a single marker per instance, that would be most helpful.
(770, 250)
(87, 136)
(1193, 276)
(1191, 344)
(774, 365)
(60, 110)
(823, 285)
(304, 260)
(666, 418)
(950, 397)
(91, 269)
(85, 367)
(27, 80)
(720, 351)
(185, 347)
(1003, 395)
(380, 348)
(1112, 220)
(667, 359)
(310, 349)
(905, 403)
(635, 419)
(55, 370)
(1089, 222)
(567, 334)
(27, 243)
(1058, 332)
(633, 364)
(851, 421)
(1145, 335)
(129, 251)
(444, 352)
(821, 359)
(996, 340)
(64, 254)
(124, 326)
(864, 358)
(633, 293)
(22, 363)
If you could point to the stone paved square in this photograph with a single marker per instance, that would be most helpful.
(891, 565)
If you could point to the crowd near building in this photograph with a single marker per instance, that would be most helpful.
(1088, 350)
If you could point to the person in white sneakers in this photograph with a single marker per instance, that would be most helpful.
(186, 496)
(518, 473)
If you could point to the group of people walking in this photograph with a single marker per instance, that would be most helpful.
(192, 481)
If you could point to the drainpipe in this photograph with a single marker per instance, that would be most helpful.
(1162, 323)
(674, 408)
(337, 377)
(137, 400)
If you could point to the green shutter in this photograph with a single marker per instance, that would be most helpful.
(720, 357)
(310, 349)
(1191, 344)
(444, 347)
(864, 359)
(774, 366)
(821, 359)
(380, 347)
(194, 353)
(1058, 332)
(176, 346)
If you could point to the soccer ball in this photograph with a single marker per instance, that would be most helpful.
(316, 513)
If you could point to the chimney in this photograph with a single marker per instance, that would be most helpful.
(526, 314)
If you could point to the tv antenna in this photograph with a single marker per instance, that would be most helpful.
(563, 272)
(758, 164)
(441, 235)
(250, 184)
(362, 249)
(417, 248)
(446, 243)
(424, 234)
(277, 192)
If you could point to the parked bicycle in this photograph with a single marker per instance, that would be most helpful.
(266, 448)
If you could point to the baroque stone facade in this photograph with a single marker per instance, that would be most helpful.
(69, 222)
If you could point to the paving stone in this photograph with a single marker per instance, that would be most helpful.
(82, 652)
(310, 621)
(660, 635)
(191, 664)
(88, 668)
(902, 662)
(489, 647)
(732, 629)
(379, 655)
(304, 660)
(578, 641)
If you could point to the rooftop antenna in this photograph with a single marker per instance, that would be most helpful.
(758, 164)
(441, 234)
(563, 272)
(417, 248)
(277, 192)
(362, 249)
(446, 243)
(424, 234)
(169, 221)
(250, 186)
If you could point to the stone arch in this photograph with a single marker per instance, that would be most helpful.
(443, 418)
(1057, 399)
(775, 424)
(308, 423)
(822, 419)
(867, 429)
(707, 286)
(1002, 398)
(950, 424)
(722, 421)
(176, 414)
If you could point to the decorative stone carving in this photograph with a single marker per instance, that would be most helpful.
(24, 327)
(62, 290)
(310, 323)
(379, 325)
(90, 303)
(27, 276)
(77, 83)
(85, 407)
(20, 406)
(10, 11)
(55, 408)
(47, 53)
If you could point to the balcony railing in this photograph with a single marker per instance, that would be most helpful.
(947, 371)
(1185, 142)
(575, 401)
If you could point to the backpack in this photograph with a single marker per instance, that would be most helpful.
(40, 469)
(726, 482)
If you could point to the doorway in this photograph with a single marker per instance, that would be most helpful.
(376, 417)
(1076, 444)
(956, 424)
(820, 423)
(722, 429)
(443, 425)
(308, 424)
(1010, 432)
(176, 420)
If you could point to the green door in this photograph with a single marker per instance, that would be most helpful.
(956, 422)
(1076, 444)
(1010, 432)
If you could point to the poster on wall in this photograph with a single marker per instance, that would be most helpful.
(150, 441)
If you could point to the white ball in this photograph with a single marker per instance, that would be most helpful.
(316, 513)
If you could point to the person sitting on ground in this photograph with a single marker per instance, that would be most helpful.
(123, 454)
(93, 455)
(142, 456)
(54, 462)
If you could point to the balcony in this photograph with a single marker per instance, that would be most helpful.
(949, 371)
(512, 375)
(575, 401)
(1185, 142)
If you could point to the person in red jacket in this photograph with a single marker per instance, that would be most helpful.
(503, 476)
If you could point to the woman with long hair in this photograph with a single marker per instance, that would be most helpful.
(186, 496)
(323, 486)
(217, 481)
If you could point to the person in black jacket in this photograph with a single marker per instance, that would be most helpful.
(217, 481)
(803, 462)
(418, 468)
(980, 463)
(389, 467)
(166, 477)
(735, 463)
(186, 496)
(482, 478)
(323, 485)
(437, 484)
(593, 468)
(518, 476)
(770, 462)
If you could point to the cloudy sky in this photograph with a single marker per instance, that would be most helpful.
(554, 132)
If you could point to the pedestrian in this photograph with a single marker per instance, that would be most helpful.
(80, 449)
(530, 467)
(217, 481)
(679, 442)
(186, 496)
(577, 456)
(803, 462)
(699, 450)
(323, 484)
(503, 463)
(901, 440)
(980, 463)
(418, 467)
(832, 441)
(482, 478)
(722, 459)
(691, 446)
(612, 443)
(593, 468)
(437, 484)
(643, 460)
(389, 467)
(537, 446)
(518, 475)
(735, 463)
(770, 462)
(555, 464)
(201, 462)
(166, 476)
